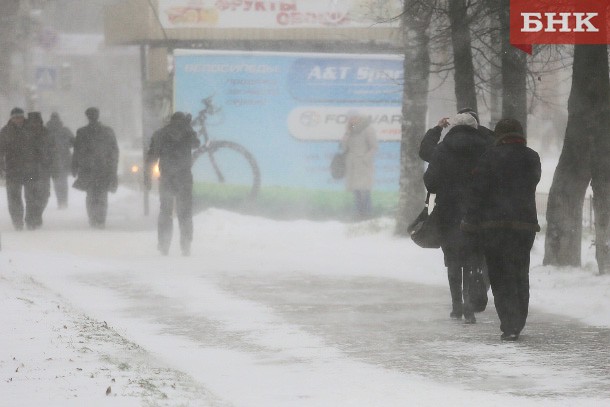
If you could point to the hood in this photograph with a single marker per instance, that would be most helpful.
(53, 124)
(361, 124)
(465, 140)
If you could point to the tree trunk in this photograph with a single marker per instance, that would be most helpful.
(514, 71)
(465, 92)
(573, 173)
(416, 21)
(599, 119)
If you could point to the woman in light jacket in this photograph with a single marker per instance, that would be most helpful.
(360, 144)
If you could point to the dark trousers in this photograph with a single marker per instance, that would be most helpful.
(60, 185)
(182, 194)
(14, 197)
(97, 206)
(458, 286)
(508, 260)
(364, 206)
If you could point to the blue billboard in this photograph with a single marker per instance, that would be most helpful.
(289, 109)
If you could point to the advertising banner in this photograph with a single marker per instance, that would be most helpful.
(289, 110)
(271, 14)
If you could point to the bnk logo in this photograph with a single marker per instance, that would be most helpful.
(562, 22)
(558, 22)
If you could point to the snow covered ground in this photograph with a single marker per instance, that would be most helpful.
(87, 313)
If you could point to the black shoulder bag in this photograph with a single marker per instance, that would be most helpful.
(425, 229)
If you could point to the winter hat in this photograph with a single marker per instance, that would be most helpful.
(178, 117)
(471, 112)
(464, 119)
(17, 112)
(506, 126)
(92, 113)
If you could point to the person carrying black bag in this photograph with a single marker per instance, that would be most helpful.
(448, 175)
(501, 207)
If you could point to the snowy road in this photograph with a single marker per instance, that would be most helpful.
(270, 314)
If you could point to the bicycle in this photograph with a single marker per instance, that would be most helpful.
(231, 174)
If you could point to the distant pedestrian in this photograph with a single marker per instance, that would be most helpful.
(449, 175)
(360, 144)
(63, 142)
(36, 129)
(502, 208)
(172, 146)
(95, 163)
(20, 157)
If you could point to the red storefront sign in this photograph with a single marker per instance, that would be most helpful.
(558, 22)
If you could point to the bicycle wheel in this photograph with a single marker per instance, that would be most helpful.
(226, 175)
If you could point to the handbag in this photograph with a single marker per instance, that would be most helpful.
(425, 229)
(477, 289)
(337, 165)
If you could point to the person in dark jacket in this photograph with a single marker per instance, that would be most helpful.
(95, 163)
(63, 142)
(502, 207)
(35, 127)
(172, 146)
(20, 156)
(433, 136)
(448, 176)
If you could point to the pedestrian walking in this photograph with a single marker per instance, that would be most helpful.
(36, 129)
(502, 208)
(449, 176)
(433, 135)
(360, 145)
(95, 165)
(62, 142)
(20, 157)
(172, 147)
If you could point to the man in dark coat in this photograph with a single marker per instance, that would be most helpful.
(35, 127)
(172, 146)
(449, 176)
(432, 136)
(502, 207)
(63, 141)
(95, 163)
(20, 157)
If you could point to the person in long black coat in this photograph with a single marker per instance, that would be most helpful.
(502, 208)
(448, 175)
(95, 164)
(63, 142)
(172, 146)
(20, 156)
(44, 144)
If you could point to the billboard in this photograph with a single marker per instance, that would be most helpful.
(289, 110)
(270, 14)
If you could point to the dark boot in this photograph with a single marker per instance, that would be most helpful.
(455, 287)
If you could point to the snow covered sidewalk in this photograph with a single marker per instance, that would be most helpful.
(87, 310)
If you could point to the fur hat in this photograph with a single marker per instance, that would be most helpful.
(506, 126)
(464, 119)
(471, 112)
